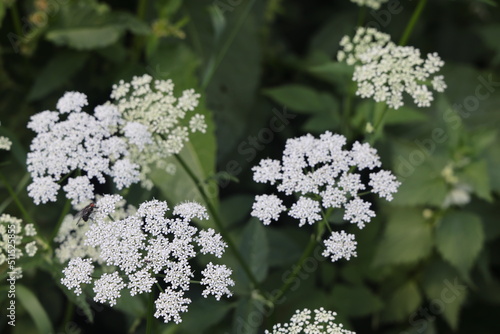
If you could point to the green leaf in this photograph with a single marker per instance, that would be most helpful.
(254, 247)
(476, 175)
(235, 64)
(445, 291)
(2, 12)
(57, 73)
(401, 303)
(493, 161)
(131, 305)
(325, 120)
(297, 97)
(85, 38)
(283, 248)
(236, 208)
(459, 238)
(203, 313)
(489, 2)
(34, 308)
(85, 27)
(179, 64)
(244, 319)
(406, 239)
(339, 74)
(421, 184)
(405, 115)
(355, 301)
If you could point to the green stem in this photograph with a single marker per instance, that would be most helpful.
(291, 278)
(378, 123)
(149, 316)
(64, 212)
(24, 212)
(214, 64)
(218, 222)
(361, 16)
(413, 20)
(347, 110)
(68, 315)
(12, 193)
(138, 40)
(20, 186)
(14, 14)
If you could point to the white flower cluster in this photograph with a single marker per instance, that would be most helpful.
(323, 175)
(151, 107)
(384, 70)
(12, 233)
(304, 322)
(80, 141)
(144, 246)
(5, 143)
(142, 125)
(373, 4)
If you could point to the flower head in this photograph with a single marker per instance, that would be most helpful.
(303, 321)
(74, 140)
(143, 245)
(384, 70)
(77, 272)
(340, 245)
(14, 238)
(160, 121)
(373, 4)
(5, 143)
(323, 175)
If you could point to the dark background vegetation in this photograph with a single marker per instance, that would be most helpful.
(436, 272)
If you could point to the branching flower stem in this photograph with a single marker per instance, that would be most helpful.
(222, 230)
(413, 20)
(297, 267)
(24, 212)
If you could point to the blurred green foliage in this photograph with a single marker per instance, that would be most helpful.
(422, 267)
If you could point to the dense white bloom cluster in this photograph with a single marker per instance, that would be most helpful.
(143, 246)
(322, 175)
(69, 140)
(5, 143)
(340, 245)
(373, 4)
(13, 233)
(143, 124)
(304, 322)
(70, 237)
(150, 105)
(384, 70)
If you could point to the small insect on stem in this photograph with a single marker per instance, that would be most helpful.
(86, 212)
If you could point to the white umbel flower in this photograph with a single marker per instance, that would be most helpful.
(373, 4)
(216, 278)
(140, 282)
(267, 208)
(165, 117)
(211, 243)
(306, 210)
(322, 175)
(77, 272)
(108, 288)
(143, 245)
(303, 321)
(340, 245)
(170, 304)
(79, 189)
(358, 212)
(73, 141)
(384, 184)
(384, 70)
